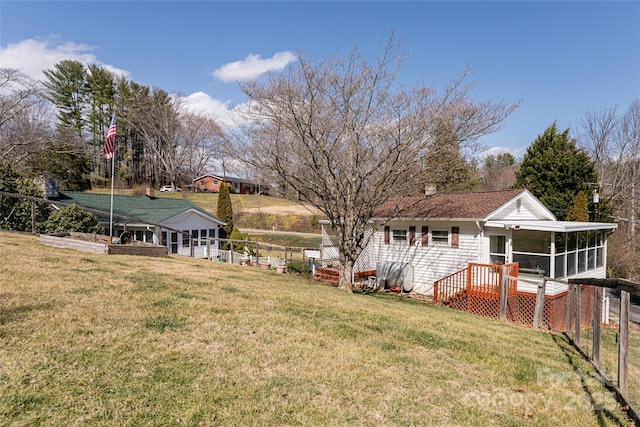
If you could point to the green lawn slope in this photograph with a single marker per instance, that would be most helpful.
(99, 340)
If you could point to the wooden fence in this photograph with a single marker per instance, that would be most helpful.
(294, 258)
(574, 331)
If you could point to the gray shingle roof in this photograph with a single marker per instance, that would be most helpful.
(147, 209)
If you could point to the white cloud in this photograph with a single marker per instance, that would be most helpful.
(518, 153)
(33, 56)
(253, 66)
(223, 112)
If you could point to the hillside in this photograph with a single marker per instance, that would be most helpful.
(251, 211)
(119, 340)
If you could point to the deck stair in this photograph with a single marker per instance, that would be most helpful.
(327, 275)
(331, 275)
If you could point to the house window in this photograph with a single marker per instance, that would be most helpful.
(185, 238)
(440, 237)
(399, 235)
(215, 182)
(202, 184)
(195, 235)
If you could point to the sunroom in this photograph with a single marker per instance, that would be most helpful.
(553, 249)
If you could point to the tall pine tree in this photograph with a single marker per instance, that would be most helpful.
(224, 210)
(555, 171)
(580, 209)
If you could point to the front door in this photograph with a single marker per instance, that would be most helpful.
(498, 249)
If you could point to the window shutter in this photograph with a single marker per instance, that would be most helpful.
(425, 236)
(412, 236)
(455, 237)
(387, 232)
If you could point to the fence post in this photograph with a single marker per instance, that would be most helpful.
(578, 316)
(569, 311)
(503, 293)
(597, 308)
(623, 343)
(33, 217)
(538, 311)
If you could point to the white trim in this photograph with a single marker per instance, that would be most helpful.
(557, 226)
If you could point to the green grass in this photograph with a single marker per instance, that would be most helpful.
(119, 340)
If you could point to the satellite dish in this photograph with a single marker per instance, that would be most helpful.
(126, 237)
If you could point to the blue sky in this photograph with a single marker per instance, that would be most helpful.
(559, 58)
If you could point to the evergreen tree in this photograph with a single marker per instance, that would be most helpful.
(67, 89)
(580, 209)
(224, 210)
(554, 170)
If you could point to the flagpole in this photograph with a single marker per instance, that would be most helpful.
(110, 150)
(113, 162)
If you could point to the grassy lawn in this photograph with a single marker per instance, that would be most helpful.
(609, 357)
(90, 339)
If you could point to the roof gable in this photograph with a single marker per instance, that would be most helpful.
(148, 209)
(469, 206)
(524, 207)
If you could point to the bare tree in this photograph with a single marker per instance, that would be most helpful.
(613, 141)
(155, 120)
(200, 139)
(346, 136)
(24, 117)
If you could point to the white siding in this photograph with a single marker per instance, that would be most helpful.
(191, 220)
(430, 262)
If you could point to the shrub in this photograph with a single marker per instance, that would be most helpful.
(72, 218)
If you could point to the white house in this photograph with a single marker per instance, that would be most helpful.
(179, 224)
(432, 237)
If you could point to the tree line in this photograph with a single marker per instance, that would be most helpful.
(159, 141)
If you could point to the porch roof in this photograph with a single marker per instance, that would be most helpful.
(557, 226)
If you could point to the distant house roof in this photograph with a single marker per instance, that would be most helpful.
(471, 206)
(221, 178)
(153, 210)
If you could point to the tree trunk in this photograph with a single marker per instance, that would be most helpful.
(346, 274)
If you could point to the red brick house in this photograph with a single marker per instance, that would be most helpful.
(211, 184)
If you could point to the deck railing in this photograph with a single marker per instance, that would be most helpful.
(481, 280)
(448, 287)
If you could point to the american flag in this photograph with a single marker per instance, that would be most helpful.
(110, 141)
